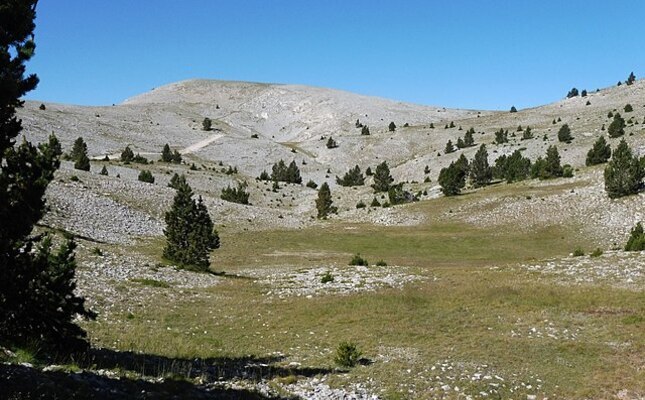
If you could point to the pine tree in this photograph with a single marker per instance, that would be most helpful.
(104, 171)
(513, 109)
(37, 284)
(176, 157)
(127, 155)
(450, 148)
(365, 130)
(628, 108)
(599, 153)
(552, 166)
(382, 178)
(324, 202)
(636, 241)
(176, 181)
(572, 93)
(207, 124)
(236, 195)
(460, 143)
(512, 168)
(624, 173)
(83, 163)
(469, 140)
(190, 235)
(166, 154)
(564, 134)
(631, 79)
(78, 150)
(480, 171)
(391, 127)
(293, 173)
(501, 136)
(617, 126)
(331, 143)
(353, 177)
(146, 176)
(527, 134)
(452, 179)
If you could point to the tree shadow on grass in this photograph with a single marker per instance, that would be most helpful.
(108, 374)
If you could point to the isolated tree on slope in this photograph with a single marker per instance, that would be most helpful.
(624, 173)
(324, 202)
(382, 178)
(617, 126)
(37, 300)
(189, 230)
(78, 149)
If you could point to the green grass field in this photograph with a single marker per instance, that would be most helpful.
(476, 312)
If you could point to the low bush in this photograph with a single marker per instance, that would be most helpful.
(347, 355)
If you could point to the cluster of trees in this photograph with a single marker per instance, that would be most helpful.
(467, 141)
(501, 136)
(38, 301)
(128, 156)
(190, 234)
(168, 156)
(236, 195)
(280, 172)
(331, 143)
(353, 177)
(511, 168)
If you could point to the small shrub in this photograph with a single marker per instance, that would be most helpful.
(311, 184)
(628, 108)
(151, 282)
(636, 240)
(74, 178)
(596, 253)
(375, 203)
(381, 263)
(328, 277)
(578, 252)
(360, 204)
(97, 252)
(347, 355)
(146, 176)
(358, 260)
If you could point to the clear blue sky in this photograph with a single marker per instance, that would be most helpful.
(457, 53)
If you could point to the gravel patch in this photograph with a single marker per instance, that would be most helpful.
(615, 268)
(307, 282)
(77, 209)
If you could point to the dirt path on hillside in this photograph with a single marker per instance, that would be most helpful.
(187, 150)
(201, 144)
